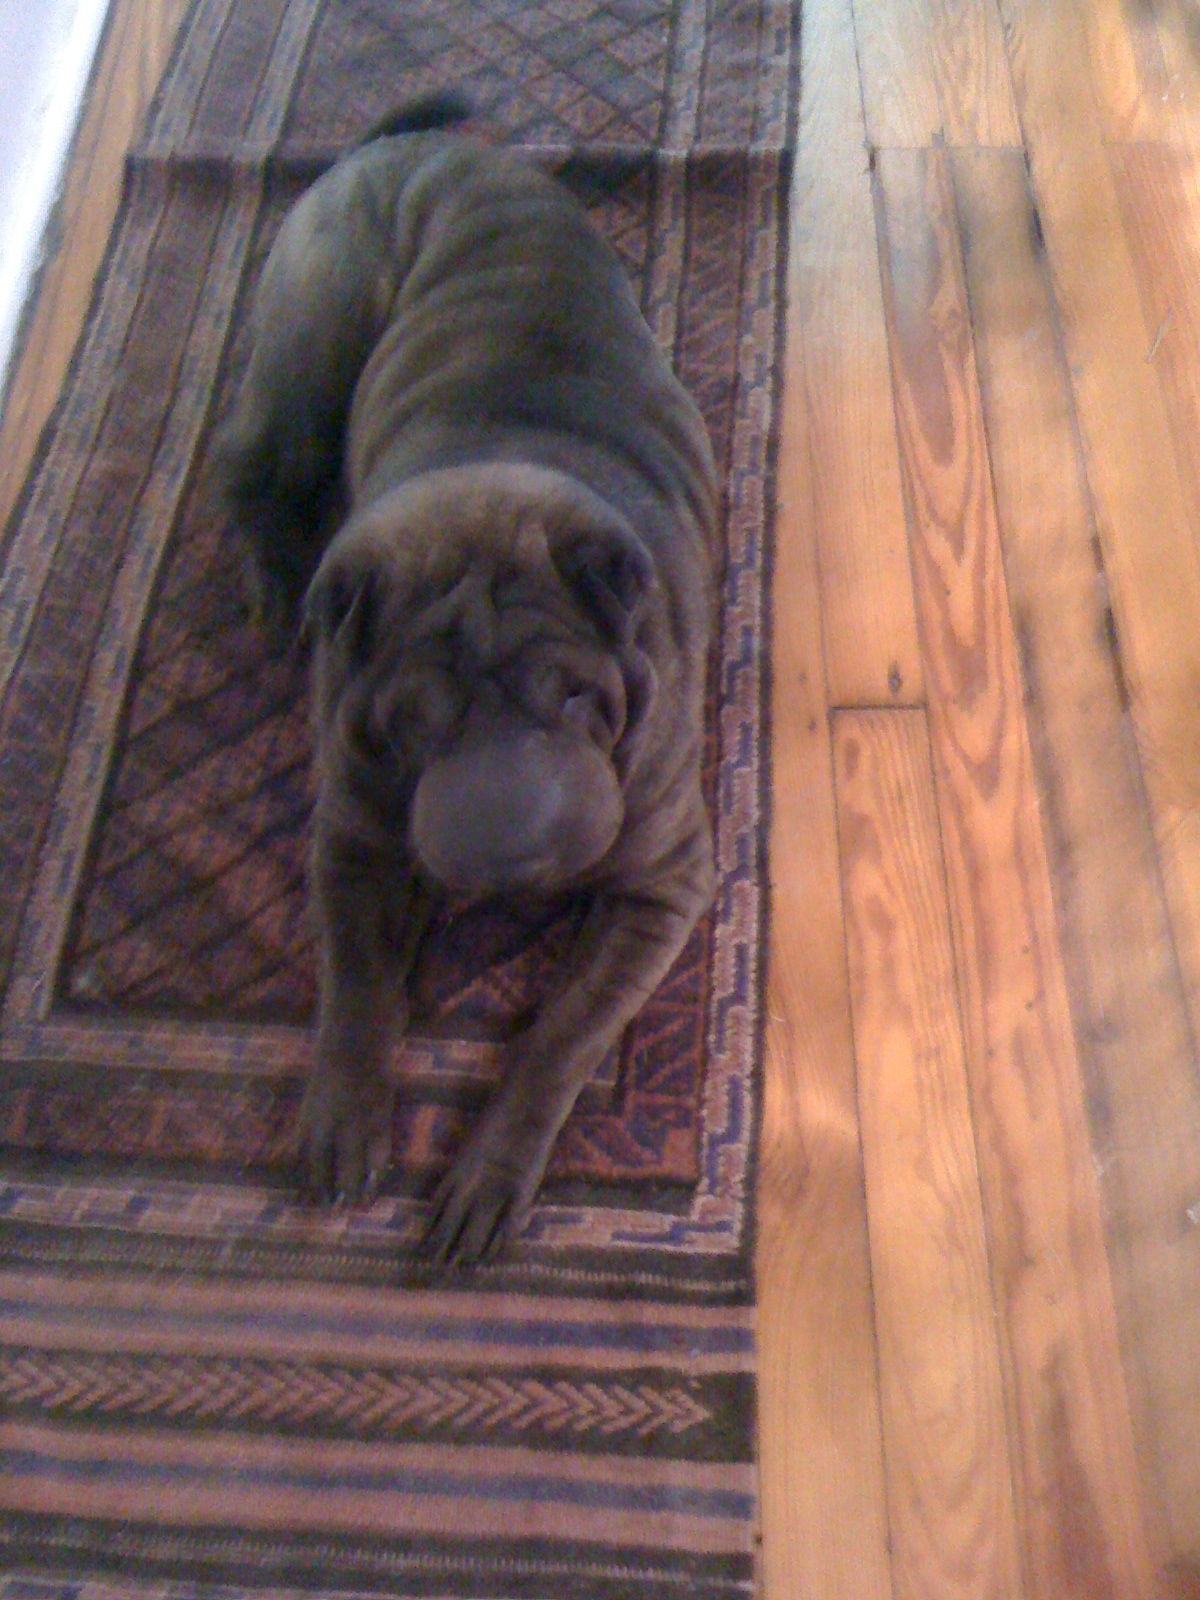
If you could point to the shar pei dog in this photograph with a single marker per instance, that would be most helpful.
(462, 463)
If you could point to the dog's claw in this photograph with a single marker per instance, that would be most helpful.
(485, 1200)
(479, 1207)
(315, 1174)
(344, 1142)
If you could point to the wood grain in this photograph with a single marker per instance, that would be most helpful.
(934, 70)
(1126, 70)
(899, 90)
(1158, 192)
(1130, 1018)
(1178, 26)
(1076, 1487)
(134, 49)
(865, 582)
(1150, 551)
(824, 1513)
(949, 1480)
(970, 69)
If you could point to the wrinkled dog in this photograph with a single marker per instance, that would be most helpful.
(456, 424)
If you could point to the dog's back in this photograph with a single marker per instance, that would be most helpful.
(462, 300)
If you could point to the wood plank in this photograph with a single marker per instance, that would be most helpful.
(1150, 550)
(133, 52)
(865, 582)
(1130, 1017)
(1075, 1477)
(1178, 25)
(899, 90)
(970, 68)
(1159, 198)
(1127, 72)
(824, 1515)
(948, 1475)
(934, 69)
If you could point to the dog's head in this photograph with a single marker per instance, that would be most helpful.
(478, 648)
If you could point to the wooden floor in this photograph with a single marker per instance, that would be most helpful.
(980, 1185)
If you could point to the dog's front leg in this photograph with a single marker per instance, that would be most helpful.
(625, 948)
(345, 1133)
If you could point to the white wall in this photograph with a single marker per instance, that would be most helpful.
(46, 50)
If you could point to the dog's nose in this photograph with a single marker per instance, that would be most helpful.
(521, 809)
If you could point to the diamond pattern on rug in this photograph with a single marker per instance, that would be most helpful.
(570, 73)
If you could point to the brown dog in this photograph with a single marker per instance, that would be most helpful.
(509, 627)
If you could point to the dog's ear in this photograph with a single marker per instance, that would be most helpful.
(609, 572)
(342, 607)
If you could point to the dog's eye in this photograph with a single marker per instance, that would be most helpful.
(610, 574)
(345, 606)
(595, 709)
(558, 693)
(595, 714)
(546, 688)
(424, 709)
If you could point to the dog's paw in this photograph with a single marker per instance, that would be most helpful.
(484, 1201)
(344, 1137)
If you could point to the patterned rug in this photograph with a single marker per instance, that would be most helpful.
(205, 1387)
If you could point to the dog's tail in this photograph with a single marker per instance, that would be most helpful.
(442, 108)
